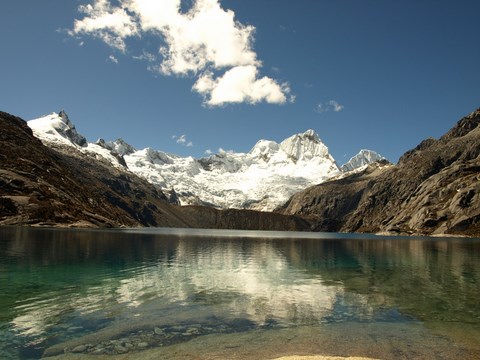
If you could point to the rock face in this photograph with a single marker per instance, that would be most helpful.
(61, 185)
(434, 189)
(208, 217)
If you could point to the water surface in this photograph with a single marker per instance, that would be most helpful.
(124, 291)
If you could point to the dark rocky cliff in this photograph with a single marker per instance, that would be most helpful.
(39, 185)
(434, 189)
(50, 186)
(207, 217)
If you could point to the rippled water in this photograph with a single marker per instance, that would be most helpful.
(111, 292)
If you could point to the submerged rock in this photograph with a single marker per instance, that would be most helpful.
(158, 331)
(79, 349)
(119, 349)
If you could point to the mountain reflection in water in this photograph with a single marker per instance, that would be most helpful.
(61, 284)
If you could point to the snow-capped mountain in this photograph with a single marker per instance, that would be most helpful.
(362, 159)
(58, 129)
(261, 179)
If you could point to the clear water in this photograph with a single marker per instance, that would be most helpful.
(123, 291)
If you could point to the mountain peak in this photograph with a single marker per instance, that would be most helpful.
(119, 146)
(311, 135)
(69, 131)
(305, 146)
(364, 157)
(57, 128)
(63, 115)
(264, 149)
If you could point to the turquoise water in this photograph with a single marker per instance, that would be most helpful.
(124, 291)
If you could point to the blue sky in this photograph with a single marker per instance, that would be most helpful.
(376, 74)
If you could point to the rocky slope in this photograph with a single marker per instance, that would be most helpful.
(60, 185)
(434, 189)
(40, 185)
(261, 179)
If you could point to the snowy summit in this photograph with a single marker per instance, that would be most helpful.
(363, 158)
(264, 178)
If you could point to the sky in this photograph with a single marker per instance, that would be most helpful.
(191, 77)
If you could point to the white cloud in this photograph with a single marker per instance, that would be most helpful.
(206, 34)
(182, 140)
(223, 152)
(113, 59)
(145, 56)
(331, 105)
(335, 106)
(204, 40)
(111, 24)
(208, 152)
(240, 84)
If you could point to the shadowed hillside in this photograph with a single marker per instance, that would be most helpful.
(434, 189)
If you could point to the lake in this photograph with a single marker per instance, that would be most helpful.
(198, 294)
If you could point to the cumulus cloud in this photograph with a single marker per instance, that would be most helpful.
(240, 84)
(208, 152)
(222, 151)
(106, 22)
(182, 140)
(331, 105)
(205, 35)
(202, 41)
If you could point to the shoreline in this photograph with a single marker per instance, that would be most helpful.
(322, 357)
(346, 341)
(289, 357)
(226, 233)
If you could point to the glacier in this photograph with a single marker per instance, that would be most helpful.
(262, 179)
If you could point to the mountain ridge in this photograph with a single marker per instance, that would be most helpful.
(433, 190)
(61, 186)
(261, 179)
